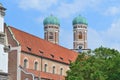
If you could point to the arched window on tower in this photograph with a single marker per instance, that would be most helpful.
(50, 35)
(80, 35)
(25, 63)
(53, 70)
(36, 65)
(45, 68)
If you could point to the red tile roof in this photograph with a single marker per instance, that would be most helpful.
(45, 75)
(34, 45)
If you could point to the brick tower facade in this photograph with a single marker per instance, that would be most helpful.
(80, 32)
(51, 29)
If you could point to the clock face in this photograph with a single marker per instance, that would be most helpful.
(79, 46)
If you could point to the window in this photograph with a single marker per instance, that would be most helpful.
(80, 35)
(52, 55)
(61, 71)
(25, 63)
(53, 70)
(35, 65)
(41, 52)
(69, 61)
(61, 58)
(45, 68)
(50, 35)
(29, 48)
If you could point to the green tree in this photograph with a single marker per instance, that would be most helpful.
(100, 64)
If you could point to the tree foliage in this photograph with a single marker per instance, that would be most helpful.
(100, 64)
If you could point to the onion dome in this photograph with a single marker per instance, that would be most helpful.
(79, 20)
(51, 20)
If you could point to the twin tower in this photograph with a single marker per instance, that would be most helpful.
(51, 31)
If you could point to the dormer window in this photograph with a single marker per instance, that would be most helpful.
(29, 48)
(52, 55)
(69, 61)
(61, 58)
(41, 52)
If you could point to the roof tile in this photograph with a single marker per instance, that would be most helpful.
(34, 45)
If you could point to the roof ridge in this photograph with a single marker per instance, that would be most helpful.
(39, 38)
(25, 32)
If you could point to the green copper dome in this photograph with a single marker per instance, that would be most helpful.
(51, 20)
(79, 20)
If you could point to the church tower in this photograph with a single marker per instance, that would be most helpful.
(51, 29)
(80, 32)
(3, 55)
(2, 14)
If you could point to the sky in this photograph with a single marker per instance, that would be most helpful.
(103, 17)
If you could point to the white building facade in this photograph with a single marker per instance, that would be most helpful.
(3, 55)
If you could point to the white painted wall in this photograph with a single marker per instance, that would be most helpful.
(3, 55)
(3, 59)
(1, 23)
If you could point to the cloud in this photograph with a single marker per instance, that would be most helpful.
(60, 8)
(40, 5)
(113, 10)
(65, 10)
(114, 30)
(107, 38)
